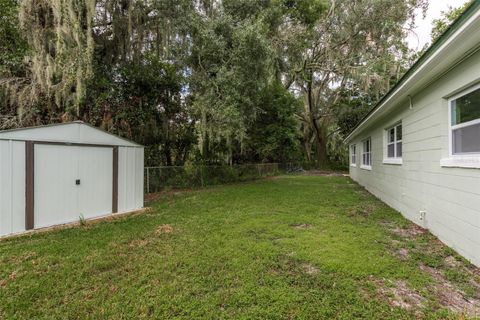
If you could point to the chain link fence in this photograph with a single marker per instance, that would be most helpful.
(160, 178)
(197, 176)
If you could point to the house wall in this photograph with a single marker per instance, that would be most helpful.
(12, 187)
(449, 196)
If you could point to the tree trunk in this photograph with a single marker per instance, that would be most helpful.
(320, 146)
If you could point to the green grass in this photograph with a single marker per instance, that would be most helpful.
(290, 247)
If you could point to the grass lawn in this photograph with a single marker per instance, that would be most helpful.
(304, 247)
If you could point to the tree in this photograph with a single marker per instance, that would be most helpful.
(446, 19)
(210, 81)
(274, 135)
(109, 63)
(232, 64)
(347, 49)
(143, 101)
(13, 48)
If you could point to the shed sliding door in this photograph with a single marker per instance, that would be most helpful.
(71, 181)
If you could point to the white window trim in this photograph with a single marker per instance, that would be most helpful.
(464, 160)
(386, 158)
(461, 162)
(398, 161)
(353, 164)
(362, 165)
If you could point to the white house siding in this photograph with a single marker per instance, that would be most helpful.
(12, 188)
(450, 196)
(130, 182)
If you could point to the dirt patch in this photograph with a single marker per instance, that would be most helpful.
(403, 254)
(452, 262)
(11, 277)
(164, 229)
(451, 297)
(309, 269)
(19, 259)
(301, 226)
(398, 294)
(411, 231)
(396, 242)
(138, 243)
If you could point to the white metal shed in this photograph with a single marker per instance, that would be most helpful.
(55, 174)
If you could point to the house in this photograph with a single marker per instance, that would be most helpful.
(62, 173)
(418, 150)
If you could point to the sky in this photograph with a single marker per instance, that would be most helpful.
(421, 34)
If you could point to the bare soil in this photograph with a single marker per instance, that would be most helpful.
(301, 226)
(411, 231)
(450, 296)
(310, 269)
(398, 294)
(164, 228)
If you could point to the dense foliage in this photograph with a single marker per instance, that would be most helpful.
(446, 19)
(204, 81)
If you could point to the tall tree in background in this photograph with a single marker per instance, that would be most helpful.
(60, 35)
(13, 48)
(347, 49)
(446, 19)
(212, 81)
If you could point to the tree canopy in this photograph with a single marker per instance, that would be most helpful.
(446, 19)
(210, 81)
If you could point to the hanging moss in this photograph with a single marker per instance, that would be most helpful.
(60, 35)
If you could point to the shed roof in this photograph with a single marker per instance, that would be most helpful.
(70, 132)
(458, 42)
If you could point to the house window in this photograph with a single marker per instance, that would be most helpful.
(367, 154)
(465, 123)
(353, 155)
(394, 142)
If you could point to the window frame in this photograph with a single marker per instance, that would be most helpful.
(461, 125)
(363, 165)
(395, 159)
(353, 155)
(460, 160)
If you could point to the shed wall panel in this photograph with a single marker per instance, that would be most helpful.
(130, 178)
(12, 187)
(122, 179)
(139, 176)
